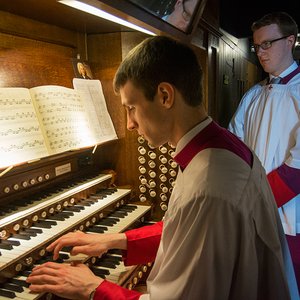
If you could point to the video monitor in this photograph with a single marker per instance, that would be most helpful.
(178, 13)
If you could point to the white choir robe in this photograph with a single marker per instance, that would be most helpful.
(215, 225)
(268, 121)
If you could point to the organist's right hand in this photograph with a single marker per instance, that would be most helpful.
(89, 244)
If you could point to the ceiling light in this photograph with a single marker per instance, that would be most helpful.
(102, 14)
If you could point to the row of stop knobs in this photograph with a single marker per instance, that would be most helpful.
(158, 172)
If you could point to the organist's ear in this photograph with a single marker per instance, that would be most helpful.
(166, 94)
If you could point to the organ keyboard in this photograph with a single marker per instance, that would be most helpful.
(28, 225)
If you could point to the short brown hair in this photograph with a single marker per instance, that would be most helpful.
(162, 59)
(285, 22)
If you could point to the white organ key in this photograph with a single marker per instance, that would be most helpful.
(129, 220)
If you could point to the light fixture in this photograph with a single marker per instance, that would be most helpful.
(102, 14)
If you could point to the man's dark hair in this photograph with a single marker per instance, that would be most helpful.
(162, 59)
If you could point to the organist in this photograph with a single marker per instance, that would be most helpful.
(221, 237)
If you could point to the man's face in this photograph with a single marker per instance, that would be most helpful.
(148, 118)
(182, 14)
(278, 57)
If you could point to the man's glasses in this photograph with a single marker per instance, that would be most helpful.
(266, 45)
(186, 15)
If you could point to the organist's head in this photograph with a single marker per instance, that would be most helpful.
(160, 82)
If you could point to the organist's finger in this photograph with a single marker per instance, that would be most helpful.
(64, 280)
(48, 267)
(70, 239)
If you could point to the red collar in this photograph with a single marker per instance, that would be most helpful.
(288, 77)
(213, 136)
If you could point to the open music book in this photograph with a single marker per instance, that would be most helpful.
(49, 119)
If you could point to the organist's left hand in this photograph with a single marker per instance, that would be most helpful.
(64, 280)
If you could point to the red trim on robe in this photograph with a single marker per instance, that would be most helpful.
(111, 291)
(291, 177)
(287, 78)
(142, 244)
(213, 136)
(281, 191)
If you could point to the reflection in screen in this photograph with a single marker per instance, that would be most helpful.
(178, 13)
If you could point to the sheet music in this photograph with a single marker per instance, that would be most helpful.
(64, 118)
(94, 101)
(21, 138)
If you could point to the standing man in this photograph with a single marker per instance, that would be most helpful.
(268, 120)
(221, 237)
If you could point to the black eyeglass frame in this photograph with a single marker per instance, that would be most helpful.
(267, 44)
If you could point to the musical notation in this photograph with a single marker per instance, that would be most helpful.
(19, 130)
(17, 115)
(20, 146)
(64, 118)
(47, 120)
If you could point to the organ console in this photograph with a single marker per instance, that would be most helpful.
(45, 208)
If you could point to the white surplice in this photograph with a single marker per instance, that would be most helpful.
(268, 121)
(221, 227)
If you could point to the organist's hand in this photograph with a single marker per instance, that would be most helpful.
(89, 244)
(64, 280)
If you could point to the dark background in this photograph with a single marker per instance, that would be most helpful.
(236, 16)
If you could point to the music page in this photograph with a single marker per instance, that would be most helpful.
(99, 119)
(21, 138)
(63, 118)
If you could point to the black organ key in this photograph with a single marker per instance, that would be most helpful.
(128, 208)
(7, 294)
(67, 214)
(115, 259)
(28, 233)
(63, 256)
(36, 230)
(73, 209)
(116, 251)
(48, 222)
(57, 217)
(99, 272)
(96, 229)
(10, 242)
(67, 249)
(87, 203)
(21, 236)
(20, 282)
(12, 287)
(97, 197)
(108, 221)
(45, 224)
(119, 214)
(6, 246)
(113, 219)
(100, 227)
